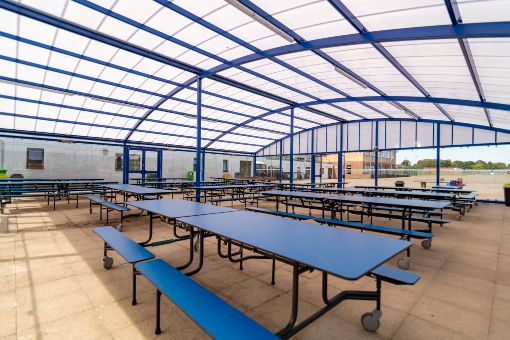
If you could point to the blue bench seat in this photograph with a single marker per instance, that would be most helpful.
(281, 213)
(128, 249)
(109, 206)
(212, 314)
(395, 276)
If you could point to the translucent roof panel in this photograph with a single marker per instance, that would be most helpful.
(492, 57)
(438, 65)
(127, 70)
(382, 15)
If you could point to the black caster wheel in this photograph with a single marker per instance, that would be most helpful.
(370, 321)
(107, 262)
(426, 243)
(404, 263)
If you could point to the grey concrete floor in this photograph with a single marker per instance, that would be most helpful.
(53, 285)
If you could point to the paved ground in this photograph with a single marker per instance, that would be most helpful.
(53, 285)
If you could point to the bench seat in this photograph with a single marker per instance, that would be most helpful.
(395, 276)
(280, 213)
(211, 313)
(109, 206)
(128, 249)
(396, 209)
(242, 198)
(379, 229)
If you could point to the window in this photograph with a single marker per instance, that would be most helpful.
(118, 162)
(134, 162)
(225, 165)
(35, 158)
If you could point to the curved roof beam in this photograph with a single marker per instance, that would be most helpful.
(191, 47)
(430, 100)
(432, 121)
(171, 6)
(455, 17)
(460, 31)
(351, 18)
(71, 27)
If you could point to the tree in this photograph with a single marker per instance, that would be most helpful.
(406, 163)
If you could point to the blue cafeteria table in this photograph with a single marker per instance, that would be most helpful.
(138, 191)
(305, 246)
(172, 209)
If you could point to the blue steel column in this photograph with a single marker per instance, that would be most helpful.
(340, 161)
(198, 161)
(376, 156)
(125, 165)
(281, 161)
(438, 153)
(202, 172)
(160, 164)
(291, 177)
(312, 160)
(254, 166)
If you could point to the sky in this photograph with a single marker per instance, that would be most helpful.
(494, 154)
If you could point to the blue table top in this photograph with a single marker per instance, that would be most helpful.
(233, 186)
(173, 208)
(394, 202)
(137, 189)
(432, 189)
(344, 253)
(55, 182)
(396, 193)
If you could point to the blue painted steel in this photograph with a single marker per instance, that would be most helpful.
(125, 165)
(351, 18)
(42, 17)
(173, 208)
(254, 166)
(455, 17)
(131, 251)
(281, 162)
(483, 127)
(160, 164)
(291, 142)
(202, 172)
(344, 253)
(431, 100)
(188, 46)
(219, 319)
(376, 155)
(121, 68)
(340, 160)
(464, 31)
(312, 159)
(438, 154)
(248, 46)
(198, 163)
(323, 55)
(57, 137)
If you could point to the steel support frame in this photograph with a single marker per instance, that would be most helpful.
(254, 166)
(198, 163)
(456, 18)
(438, 154)
(312, 159)
(281, 162)
(376, 155)
(340, 160)
(291, 172)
